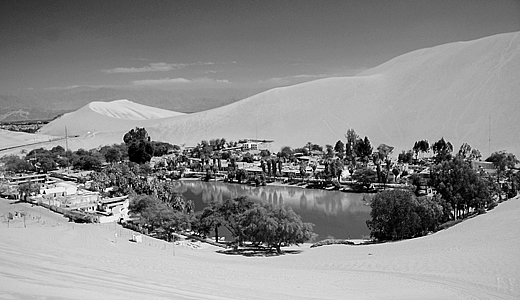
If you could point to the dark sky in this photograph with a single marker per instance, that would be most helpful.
(179, 44)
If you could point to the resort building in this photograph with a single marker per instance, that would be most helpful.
(113, 209)
(26, 178)
(485, 166)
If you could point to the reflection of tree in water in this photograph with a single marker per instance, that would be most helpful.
(255, 191)
(212, 193)
(332, 203)
(303, 201)
(206, 195)
(178, 187)
(195, 187)
(263, 196)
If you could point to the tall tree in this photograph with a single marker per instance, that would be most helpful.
(502, 162)
(231, 211)
(339, 148)
(329, 152)
(405, 157)
(350, 145)
(275, 226)
(363, 149)
(442, 150)
(140, 148)
(422, 146)
(210, 219)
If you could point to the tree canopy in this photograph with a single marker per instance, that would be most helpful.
(399, 214)
(140, 148)
(259, 223)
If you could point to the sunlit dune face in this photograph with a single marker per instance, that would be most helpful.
(124, 109)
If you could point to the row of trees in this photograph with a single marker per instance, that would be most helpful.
(462, 190)
(399, 214)
(44, 160)
(137, 147)
(258, 223)
(441, 149)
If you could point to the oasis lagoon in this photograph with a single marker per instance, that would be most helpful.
(335, 214)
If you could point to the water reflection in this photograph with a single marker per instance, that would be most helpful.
(334, 213)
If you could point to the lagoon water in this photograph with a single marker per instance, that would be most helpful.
(335, 214)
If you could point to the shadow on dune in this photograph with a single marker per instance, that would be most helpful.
(257, 252)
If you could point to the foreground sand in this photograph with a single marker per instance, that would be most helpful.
(53, 259)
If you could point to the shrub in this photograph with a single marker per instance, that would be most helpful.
(332, 242)
(398, 214)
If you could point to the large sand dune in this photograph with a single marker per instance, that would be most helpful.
(465, 92)
(118, 115)
(53, 259)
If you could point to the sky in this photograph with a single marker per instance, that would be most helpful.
(240, 44)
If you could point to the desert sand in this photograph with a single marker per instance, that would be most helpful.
(54, 259)
(463, 91)
(97, 116)
(12, 139)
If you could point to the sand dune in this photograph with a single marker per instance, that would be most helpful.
(465, 92)
(477, 259)
(11, 139)
(118, 115)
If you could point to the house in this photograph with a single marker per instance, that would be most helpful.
(81, 200)
(256, 145)
(113, 209)
(59, 189)
(485, 166)
(249, 146)
(26, 178)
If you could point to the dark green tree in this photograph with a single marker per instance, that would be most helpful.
(502, 161)
(15, 164)
(339, 148)
(365, 177)
(461, 186)
(140, 148)
(275, 226)
(405, 157)
(363, 150)
(26, 189)
(113, 155)
(350, 145)
(210, 219)
(442, 150)
(398, 214)
(286, 153)
(232, 212)
(422, 146)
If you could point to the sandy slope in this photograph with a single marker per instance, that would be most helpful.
(464, 91)
(11, 138)
(477, 259)
(458, 90)
(118, 115)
